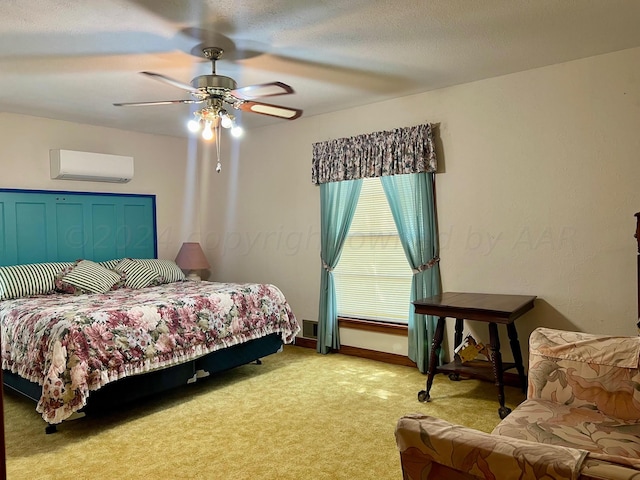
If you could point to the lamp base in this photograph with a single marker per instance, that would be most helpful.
(194, 277)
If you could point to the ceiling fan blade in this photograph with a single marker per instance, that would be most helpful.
(171, 81)
(263, 90)
(162, 102)
(271, 110)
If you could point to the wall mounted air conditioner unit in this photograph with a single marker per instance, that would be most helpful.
(92, 167)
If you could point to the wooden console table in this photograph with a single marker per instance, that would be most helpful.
(493, 309)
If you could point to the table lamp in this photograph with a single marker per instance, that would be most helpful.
(191, 259)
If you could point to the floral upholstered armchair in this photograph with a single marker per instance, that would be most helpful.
(581, 420)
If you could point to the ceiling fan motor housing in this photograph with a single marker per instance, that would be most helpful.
(215, 89)
(214, 82)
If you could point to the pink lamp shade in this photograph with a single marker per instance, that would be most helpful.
(191, 257)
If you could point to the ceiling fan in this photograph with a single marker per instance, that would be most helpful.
(217, 90)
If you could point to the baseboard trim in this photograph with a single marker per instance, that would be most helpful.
(360, 352)
(375, 355)
(509, 378)
(306, 342)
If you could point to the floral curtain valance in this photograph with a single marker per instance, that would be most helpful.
(378, 154)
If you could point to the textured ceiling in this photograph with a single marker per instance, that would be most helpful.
(73, 59)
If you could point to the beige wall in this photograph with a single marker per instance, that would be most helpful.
(159, 164)
(536, 194)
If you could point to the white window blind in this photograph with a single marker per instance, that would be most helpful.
(373, 277)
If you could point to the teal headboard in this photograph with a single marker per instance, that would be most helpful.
(54, 226)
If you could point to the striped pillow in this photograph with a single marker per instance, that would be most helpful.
(110, 264)
(33, 279)
(137, 275)
(90, 277)
(167, 269)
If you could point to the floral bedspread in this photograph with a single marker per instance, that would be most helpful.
(73, 344)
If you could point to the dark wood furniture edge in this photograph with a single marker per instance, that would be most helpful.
(471, 313)
(481, 369)
(637, 235)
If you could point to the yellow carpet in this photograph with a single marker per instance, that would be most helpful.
(299, 415)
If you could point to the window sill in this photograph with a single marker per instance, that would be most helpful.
(371, 326)
(374, 326)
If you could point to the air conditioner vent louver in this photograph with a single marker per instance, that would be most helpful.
(90, 167)
(309, 329)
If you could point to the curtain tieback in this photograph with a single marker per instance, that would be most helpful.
(325, 266)
(426, 266)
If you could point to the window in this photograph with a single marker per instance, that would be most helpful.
(373, 277)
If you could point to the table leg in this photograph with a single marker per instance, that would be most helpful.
(423, 395)
(496, 361)
(458, 336)
(517, 354)
(457, 341)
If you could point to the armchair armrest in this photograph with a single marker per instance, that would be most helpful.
(585, 370)
(432, 448)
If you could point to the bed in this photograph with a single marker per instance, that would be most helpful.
(91, 318)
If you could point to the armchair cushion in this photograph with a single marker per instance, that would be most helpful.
(544, 422)
(583, 370)
(583, 393)
(431, 448)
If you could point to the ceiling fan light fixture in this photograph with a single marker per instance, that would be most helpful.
(194, 125)
(237, 131)
(216, 92)
(207, 132)
(226, 120)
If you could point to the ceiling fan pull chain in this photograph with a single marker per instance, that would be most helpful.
(217, 130)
